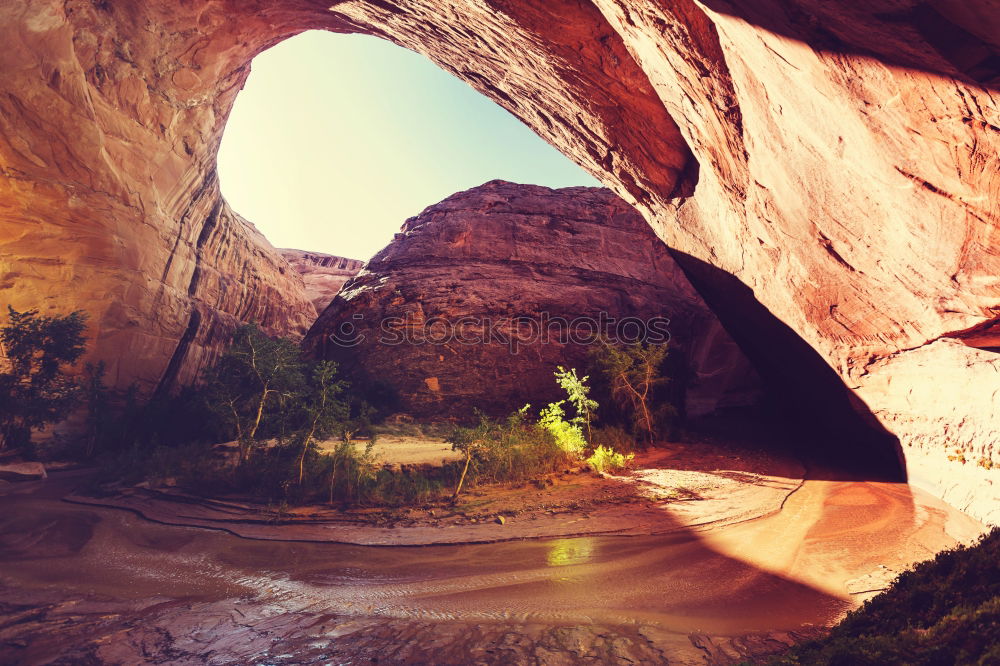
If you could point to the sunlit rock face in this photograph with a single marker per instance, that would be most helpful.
(110, 119)
(837, 160)
(323, 274)
(480, 297)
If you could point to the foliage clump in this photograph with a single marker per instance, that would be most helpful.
(509, 450)
(263, 394)
(605, 459)
(36, 387)
(943, 611)
(569, 432)
(516, 449)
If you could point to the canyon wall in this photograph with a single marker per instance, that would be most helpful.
(323, 274)
(825, 173)
(481, 296)
(109, 199)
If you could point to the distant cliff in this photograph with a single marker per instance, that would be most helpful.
(323, 274)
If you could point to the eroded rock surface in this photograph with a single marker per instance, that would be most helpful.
(110, 119)
(481, 296)
(838, 161)
(323, 274)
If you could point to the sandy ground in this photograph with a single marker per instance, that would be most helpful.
(396, 450)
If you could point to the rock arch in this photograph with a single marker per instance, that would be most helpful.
(827, 156)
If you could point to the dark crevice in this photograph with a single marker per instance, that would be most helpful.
(687, 179)
(210, 223)
(387, 6)
(985, 335)
(828, 246)
(194, 199)
(195, 277)
(169, 378)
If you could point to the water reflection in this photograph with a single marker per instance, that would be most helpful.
(566, 552)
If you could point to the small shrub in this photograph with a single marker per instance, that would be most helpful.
(406, 486)
(191, 466)
(578, 395)
(567, 434)
(605, 459)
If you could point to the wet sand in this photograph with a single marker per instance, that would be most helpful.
(83, 584)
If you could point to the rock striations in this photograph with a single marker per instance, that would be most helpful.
(826, 173)
(480, 297)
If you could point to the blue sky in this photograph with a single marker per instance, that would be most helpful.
(337, 139)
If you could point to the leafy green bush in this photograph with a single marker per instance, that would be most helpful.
(943, 611)
(567, 433)
(604, 459)
(407, 486)
(511, 450)
(188, 466)
(578, 395)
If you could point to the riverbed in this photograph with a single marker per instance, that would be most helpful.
(87, 584)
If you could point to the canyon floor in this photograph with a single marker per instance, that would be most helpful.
(708, 556)
(696, 485)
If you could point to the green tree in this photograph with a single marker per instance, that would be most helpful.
(325, 412)
(255, 374)
(469, 441)
(633, 372)
(568, 432)
(35, 386)
(577, 394)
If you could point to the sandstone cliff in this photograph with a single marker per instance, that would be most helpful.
(480, 297)
(826, 173)
(109, 200)
(323, 274)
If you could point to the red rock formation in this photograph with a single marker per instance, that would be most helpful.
(838, 161)
(323, 274)
(472, 282)
(110, 119)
